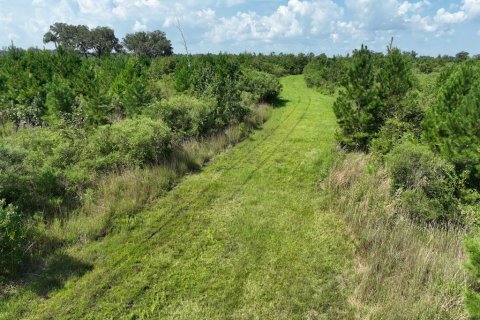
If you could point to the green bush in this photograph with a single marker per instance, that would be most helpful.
(325, 73)
(185, 115)
(428, 185)
(264, 87)
(128, 143)
(32, 166)
(13, 239)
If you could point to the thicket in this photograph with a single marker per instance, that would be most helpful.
(326, 73)
(424, 132)
(67, 121)
(403, 269)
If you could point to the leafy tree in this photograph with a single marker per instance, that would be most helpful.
(151, 44)
(62, 35)
(67, 37)
(83, 39)
(59, 100)
(451, 126)
(263, 86)
(462, 56)
(104, 41)
(358, 109)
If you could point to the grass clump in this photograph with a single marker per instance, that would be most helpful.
(404, 270)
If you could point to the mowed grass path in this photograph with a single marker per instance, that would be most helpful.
(244, 239)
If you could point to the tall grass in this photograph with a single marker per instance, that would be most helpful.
(115, 200)
(404, 270)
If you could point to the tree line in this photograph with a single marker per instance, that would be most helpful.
(101, 41)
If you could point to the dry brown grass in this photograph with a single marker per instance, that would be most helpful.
(404, 271)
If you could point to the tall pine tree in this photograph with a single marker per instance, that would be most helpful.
(358, 108)
(452, 128)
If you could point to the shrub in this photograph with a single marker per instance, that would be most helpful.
(264, 87)
(127, 143)
(186, 116)
(31, 168)
(428, 185)
(326, 73)
(13, 238)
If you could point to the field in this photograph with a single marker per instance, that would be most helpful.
(244, 238)
(136, 183)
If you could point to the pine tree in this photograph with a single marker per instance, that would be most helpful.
(451, 126)
(358, 108)
(396, 79)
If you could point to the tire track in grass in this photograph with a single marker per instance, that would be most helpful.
(109, 277)
(241, 239)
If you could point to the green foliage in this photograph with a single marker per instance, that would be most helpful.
(407, 122)
(13, 239)
(278, 65)
(395, 79)
(43, 169)
(151, 44)
(215, 78)
(30, 169)
(131, 142)
(472, 298)
(428, 185)
(326, 73)
(101, 40)
(185, 115)
(462, 56)
(358, 109)
(263, 86)
(451, 126)
(377, 90)
(59, 100)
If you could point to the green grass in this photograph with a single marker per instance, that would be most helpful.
(246, 238)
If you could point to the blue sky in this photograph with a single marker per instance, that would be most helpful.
(333, 27)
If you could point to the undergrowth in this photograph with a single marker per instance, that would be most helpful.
(116, 199)
(404, 270)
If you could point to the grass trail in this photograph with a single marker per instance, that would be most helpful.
(243, 239)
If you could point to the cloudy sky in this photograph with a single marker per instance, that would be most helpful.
(331, 26)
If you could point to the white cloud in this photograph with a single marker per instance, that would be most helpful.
(471, 8)
(415, 7)
(283, 25)
(297, 18)
(445, 17)
(422, 23)
(94, 7)
(140, 26)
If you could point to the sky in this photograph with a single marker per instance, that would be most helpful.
(289, 26)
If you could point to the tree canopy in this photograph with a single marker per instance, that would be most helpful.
(100, 41)
(151, 44)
